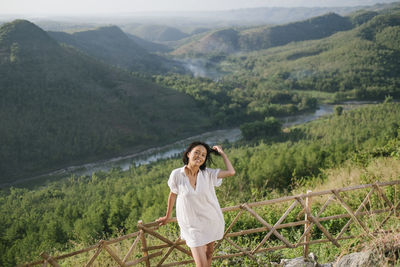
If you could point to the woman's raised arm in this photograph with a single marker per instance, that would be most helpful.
(230, 171)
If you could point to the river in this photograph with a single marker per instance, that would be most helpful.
(174, 149)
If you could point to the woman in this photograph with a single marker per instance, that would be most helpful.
(197, 209)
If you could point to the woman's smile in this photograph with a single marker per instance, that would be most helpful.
(200, 159)
(198, 155)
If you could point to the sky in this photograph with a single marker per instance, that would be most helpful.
(97, 7)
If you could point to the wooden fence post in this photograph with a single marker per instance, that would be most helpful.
(144, 244)
(131, 249)
(307, 224)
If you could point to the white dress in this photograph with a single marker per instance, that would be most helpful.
(197, 210)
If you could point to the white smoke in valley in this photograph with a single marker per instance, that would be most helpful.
(201, 67)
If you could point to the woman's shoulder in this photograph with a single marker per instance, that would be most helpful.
(177, 171)
(175, 177)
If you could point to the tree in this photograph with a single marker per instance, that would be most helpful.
(269, 127)
(338, 110)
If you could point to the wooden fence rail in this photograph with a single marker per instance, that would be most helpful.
(152, 248)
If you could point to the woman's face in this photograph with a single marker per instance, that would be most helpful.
(197, 156)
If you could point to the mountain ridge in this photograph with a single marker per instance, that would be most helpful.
(154, 32)
(359, 64)
(263, 37)
(112, 45)
(60, 105)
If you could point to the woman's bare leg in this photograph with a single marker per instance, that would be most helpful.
(199, 256)
(203, 255)
(209, 252)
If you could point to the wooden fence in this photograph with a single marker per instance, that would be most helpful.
(367, 208)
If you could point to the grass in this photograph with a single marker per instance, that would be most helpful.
(387, 248)
(380, 169)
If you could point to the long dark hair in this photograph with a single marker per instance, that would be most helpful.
(208, 160)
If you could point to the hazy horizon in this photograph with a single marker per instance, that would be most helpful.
(103, 7)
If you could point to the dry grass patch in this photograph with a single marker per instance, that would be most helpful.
(380, 169)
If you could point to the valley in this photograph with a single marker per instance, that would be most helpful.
(155, 154)
(94, 115)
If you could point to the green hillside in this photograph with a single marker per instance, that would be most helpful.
(59, 106)
(358, 64)
(362, 63)
(314, 28)
(86, 209)
(154, 33)
(113, 46)
(362, 16)
(228, 41)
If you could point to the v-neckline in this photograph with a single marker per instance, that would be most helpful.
(197, 181)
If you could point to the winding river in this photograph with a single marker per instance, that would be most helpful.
(174, 149)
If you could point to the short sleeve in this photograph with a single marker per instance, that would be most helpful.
(172, 183)
(213, 174)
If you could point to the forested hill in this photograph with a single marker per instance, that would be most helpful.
(256, 38)
(362, 63)
(113, 46)
(59, 105)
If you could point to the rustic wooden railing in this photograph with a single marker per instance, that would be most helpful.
(368, 211)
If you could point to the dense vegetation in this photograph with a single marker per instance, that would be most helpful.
(232, 103)
(85, 209)
(362, 63)
(269, 127)
(60, 106)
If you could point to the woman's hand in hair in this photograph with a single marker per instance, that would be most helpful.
(229, 171)
(218, 148)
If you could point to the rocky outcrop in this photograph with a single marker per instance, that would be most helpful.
(357, 259)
